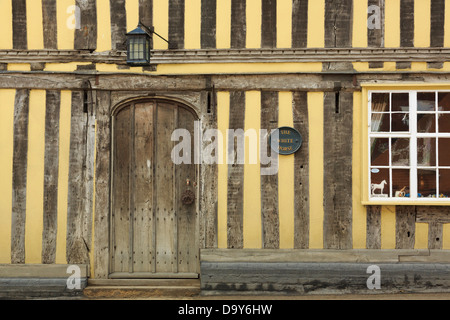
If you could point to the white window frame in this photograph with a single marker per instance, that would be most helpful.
(413, 135)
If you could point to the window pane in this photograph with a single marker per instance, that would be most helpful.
(379, 183)
(426, 101)
(444, 122)
(400, 102)
(400, 122)
(400, 152)
(444, 152)
(400, 182)
(380, 122)
(426, 183)
(444, 183)
(444, 101)
(426, 152)
(380, 102)
(379, 149)
(426, 123)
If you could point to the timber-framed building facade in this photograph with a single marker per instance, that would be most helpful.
(88, 182)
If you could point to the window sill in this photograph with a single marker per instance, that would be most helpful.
(397, 202)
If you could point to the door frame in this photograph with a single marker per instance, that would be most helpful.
(139, 275)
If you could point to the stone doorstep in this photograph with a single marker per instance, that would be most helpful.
(126, 292)
(142, 288)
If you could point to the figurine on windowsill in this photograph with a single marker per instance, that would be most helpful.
(401, 193)
(380, 186)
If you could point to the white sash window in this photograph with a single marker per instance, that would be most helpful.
(409, 145)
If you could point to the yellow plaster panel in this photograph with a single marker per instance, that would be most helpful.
(238, 68)
(192, 25)
(161, 23)
(392, 23)
(223, 30)
(360, 23)
(284, 23)
(286, 177)
(446, 237)
(35, 178)
(65, 16)
(388, 227)
(223, 116)
(132, 9)
(447, 24)
(35, 29)
(315, 112)
(316, 24)
(19, 67)
(103, 26)
(6, 40)
(359, 211)
(254, 14)
(421, 236)
(422, 23)
(252, 176)
(7, 98)
(63, 178)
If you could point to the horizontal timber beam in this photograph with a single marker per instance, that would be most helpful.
(310, 82)
(234, 55)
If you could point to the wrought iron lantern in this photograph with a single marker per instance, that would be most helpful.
(139, 45)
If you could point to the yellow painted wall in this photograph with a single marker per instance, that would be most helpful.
(252, 177)
(6, 166)
(316, 28)
(35, 175)
(252, 194)
(316, 212)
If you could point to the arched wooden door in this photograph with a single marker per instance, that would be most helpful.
(153, 232)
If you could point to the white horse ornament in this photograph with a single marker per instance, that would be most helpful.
(378, 187)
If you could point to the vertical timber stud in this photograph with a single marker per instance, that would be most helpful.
(21, 116)
(51, 166)
(208, 223)
(407, 23)
(435, 233)
(118, 24)
(176, 24)
(19, 13)
(269, 183)
(301, 169)
(338, 171)
(373, 237)
(375, 36)
(299, 23)
(86, 36)
(76, 250)
(146, 12)
(236, 172)
(338, 23)
(269, 24)
(437, 23)
(238, 24)
(102, 185)
(208, 24)
(49, 24)
(405, 222)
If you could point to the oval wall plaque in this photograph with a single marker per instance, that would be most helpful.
(286, 140)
